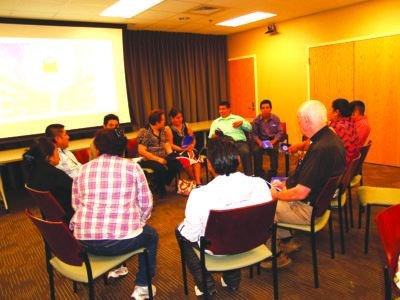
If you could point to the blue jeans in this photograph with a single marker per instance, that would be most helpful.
(147, 239)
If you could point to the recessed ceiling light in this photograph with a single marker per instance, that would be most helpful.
(253, 17)
(129, 8)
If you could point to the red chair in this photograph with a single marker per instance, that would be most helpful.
(340, 201)
(82, 155)
(49, 207)
(237, 238)
(132, 148)
(388, 222)
(357, 179)
(73, 262)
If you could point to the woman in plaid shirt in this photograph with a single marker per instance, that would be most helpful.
(113, 201)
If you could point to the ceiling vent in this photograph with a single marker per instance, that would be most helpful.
(205, 10)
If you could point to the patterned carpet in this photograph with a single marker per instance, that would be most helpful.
(350, 276)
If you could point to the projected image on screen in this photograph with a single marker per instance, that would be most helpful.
(42, 77)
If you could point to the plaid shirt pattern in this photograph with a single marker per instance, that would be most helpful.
(111, 198)
(68, 162)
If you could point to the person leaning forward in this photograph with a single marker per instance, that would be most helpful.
(325, 158)
(266, 126)
(229, 189)
(234, 126)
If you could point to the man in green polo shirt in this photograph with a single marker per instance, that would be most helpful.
(233, 126)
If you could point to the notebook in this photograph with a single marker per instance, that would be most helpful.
(187, 141)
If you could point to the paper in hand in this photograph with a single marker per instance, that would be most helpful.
(266, 144)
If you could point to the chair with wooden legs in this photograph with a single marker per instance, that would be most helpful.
(320, 216)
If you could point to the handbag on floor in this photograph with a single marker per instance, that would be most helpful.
(185, 186)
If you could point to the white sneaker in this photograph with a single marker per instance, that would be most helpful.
(197, 291)
(142, 292)
(122, 271)
(200, 293)
(223, 283)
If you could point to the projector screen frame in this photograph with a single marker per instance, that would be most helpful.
(6, 143)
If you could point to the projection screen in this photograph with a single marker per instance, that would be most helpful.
(56, 74)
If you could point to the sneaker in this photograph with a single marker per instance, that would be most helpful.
(200, 293)
(283, 261)
(142, 292)
(122, 271)
(224, 285)
(197, 291)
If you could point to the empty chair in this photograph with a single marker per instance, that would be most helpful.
(322, 213)
(239, 235)
(73, 262)
(388, 222)
(369, 196)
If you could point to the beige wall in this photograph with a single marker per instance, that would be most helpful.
(282, 59)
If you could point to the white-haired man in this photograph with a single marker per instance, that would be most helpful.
(325, 158)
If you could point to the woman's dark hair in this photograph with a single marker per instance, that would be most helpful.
(155, 116)
(110, 141)
(173, 112)
(343, 106)
(223, 155)
(40, 150)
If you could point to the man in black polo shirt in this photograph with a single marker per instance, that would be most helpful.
(325, 158)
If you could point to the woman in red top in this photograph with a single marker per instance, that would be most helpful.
(340, 120)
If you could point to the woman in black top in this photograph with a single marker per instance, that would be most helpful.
(188, 156)
(39, 162)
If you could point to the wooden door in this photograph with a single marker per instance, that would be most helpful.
(242, 87)
(377, 78)
(331, 72)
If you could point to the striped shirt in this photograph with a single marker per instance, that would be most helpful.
(111, 198)
(68, 162)
(347, 133)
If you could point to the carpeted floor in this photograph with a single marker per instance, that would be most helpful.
(354, 275)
